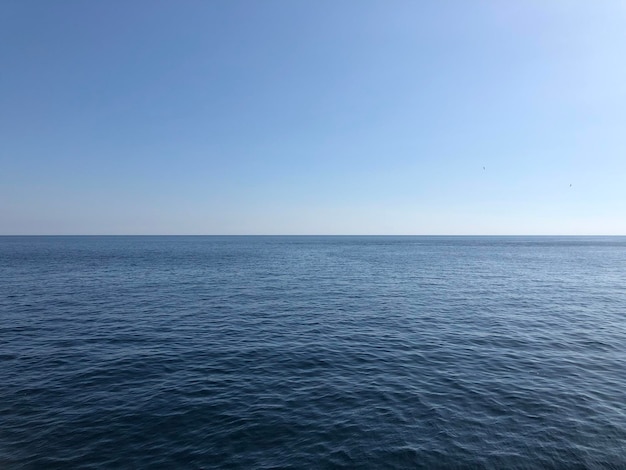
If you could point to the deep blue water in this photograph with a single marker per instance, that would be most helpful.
(312, 352)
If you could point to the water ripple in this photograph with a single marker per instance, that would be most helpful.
(312, 352)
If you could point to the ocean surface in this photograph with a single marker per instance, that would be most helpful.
(312, 352)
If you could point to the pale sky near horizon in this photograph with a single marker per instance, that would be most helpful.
(312, 117)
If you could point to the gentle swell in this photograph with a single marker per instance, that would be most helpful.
(312, 352)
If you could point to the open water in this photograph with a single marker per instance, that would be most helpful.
(312, 352)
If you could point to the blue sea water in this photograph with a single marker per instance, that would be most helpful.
(312, 352)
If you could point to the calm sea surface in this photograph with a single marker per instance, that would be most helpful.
(312, 352)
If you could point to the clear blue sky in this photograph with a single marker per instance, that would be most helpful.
(312, 117)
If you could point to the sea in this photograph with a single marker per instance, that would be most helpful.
(307, 352)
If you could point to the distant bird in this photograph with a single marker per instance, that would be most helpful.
(570, 185)
(483, 168)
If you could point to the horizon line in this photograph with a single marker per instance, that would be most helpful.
(300, 235)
